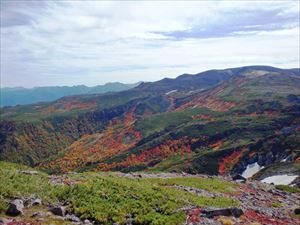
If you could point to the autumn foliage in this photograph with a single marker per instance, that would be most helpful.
(161, 152)
(227, 162)
(67, 105)
(216, 145)
(118, 137)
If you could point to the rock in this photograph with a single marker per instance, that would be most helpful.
(129, 221)
(223, 212)
(37, 214)
(87, 222)
(29, 172)
(239, 178)
(6, 221)
(58, 210)
(297, 211)
(72, 217)
(15, 208)
(206, 221)
(36, 201)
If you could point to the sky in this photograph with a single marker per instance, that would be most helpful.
(47, 43)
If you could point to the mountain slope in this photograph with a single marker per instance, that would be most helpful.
(16, 96)
(215, 122)
(142, 198)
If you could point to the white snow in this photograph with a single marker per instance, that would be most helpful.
(251, 170)
(280, 179)
(284, 160)
(170, 92)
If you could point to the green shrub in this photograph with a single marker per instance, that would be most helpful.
(288, 188)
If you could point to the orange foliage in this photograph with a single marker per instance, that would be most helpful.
(251, 154)
(254, 114)
(227, 162)
(69, 104)
(271, 113)
(203, 117)
(266, 113)
(216, 145)
(163, 151)
(118, 137)
(210, 102)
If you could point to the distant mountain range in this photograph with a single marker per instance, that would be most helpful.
(233, 121)
(22, 96)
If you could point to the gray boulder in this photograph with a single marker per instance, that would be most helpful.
(87, 222)
(58, 210)
(15, 208)
(36, 201)
(223, 212)
(6, 221)
(72, 217)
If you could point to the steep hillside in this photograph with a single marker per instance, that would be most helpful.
(16, 96)
(215, 122)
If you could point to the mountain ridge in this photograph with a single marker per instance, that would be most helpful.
(11, 96)
(217, 127)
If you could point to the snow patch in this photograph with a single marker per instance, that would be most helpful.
(170, 92)
(284, 160)
(251, 170)
(280, 179)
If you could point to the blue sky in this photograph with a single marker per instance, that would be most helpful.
(45, 43)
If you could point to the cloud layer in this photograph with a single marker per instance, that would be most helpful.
(94, 42)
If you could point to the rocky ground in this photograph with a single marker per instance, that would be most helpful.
(261, 203)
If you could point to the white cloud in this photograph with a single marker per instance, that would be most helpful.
(93, 42)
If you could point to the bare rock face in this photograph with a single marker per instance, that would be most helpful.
(58, 210)
(15, 208)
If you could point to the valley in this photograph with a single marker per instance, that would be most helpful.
(164, 152)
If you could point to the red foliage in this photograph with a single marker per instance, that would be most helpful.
(271, 113)
(203, 117)
(216, 145)
(163, 151)
(211, 102)
(240, 82)
(69, 104)
(227, 162)
(118, 137)
(251, 154)
(193, 216)
(251, 215)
